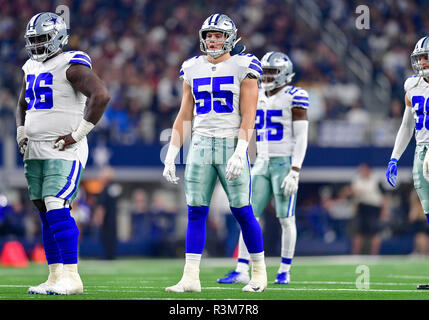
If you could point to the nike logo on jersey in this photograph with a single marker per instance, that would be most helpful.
(282, 164)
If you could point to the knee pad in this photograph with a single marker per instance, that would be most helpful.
(53, 203)
(287, 222)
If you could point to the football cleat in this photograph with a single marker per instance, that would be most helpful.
(254, 286)
(258, 283)
(235, 277)
(282, 278)
(185, 285)
(42, 288)
(72, 284)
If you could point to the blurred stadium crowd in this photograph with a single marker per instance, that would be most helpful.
(137, 48)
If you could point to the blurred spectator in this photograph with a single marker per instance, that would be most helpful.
(140, 216)
(340, 210)
(106, 211)
(12, 216)
(163, 225)
(370, 210)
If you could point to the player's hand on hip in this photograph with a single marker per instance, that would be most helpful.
(62, 142)
(22, 145)
(234, 167)
(170, 173)
(290, 183)
(392, 172)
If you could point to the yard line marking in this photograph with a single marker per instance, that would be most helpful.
(407, 277)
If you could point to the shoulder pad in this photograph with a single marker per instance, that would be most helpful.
(78, 57)
(189, 62)
(299, 97)
(411, 82)
(251, 62)
(25, 65)
(186, 64)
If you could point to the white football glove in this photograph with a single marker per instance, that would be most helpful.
(426, 166)
(235, 164)
(170, 173)
(170, 168)
(21, 139)
(290, 183)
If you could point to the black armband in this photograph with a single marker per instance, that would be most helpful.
(250, 76)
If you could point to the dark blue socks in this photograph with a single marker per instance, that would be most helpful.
(52, 251)
(252, 233)
(196, 231)
(66, 234)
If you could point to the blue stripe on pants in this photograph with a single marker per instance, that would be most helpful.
(68, 181)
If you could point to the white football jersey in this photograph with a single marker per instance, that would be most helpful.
(274, 135)
(216, 91)
(417, 91)
(54, 107)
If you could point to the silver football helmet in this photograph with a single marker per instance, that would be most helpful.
(46, 33)
(278, 70)
(420, 57)
(221, 23)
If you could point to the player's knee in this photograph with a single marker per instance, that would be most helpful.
(243, 214)
(62, 224)
(197, 213)
(238, 200)
(196, 200)
(40, 205)
(53, 203)
(287, 222)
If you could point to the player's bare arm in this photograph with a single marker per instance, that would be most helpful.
(86, 81)
(182, 124)
(22, 140)
(248, 103)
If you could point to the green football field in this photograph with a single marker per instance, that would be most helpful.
(312, 278)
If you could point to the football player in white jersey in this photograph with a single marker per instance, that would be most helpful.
(52, 124)
(415, 120)
(220, 94)
(281, 139)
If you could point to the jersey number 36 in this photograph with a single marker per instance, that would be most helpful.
(37, 95)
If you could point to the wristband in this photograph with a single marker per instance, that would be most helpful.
(20, 134)
(84, 128)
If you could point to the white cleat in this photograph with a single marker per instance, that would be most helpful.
(68, 285)
(42, 288)
(259, 281)
(253, 286)
(185, 285)
(55, 272)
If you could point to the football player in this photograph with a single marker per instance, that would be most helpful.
(52, 124)
(220, 93)
(281, 140)
(415, 120)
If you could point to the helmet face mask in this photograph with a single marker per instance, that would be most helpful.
(420, 63)
(218, 23)
(277, 70)
(45, 35)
